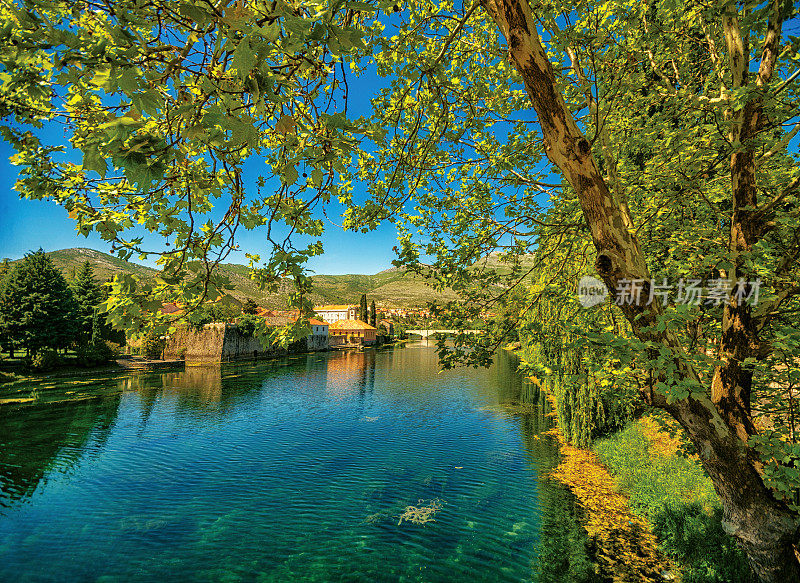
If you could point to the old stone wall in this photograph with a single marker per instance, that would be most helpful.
(213, 343)
(196, 345)
(237, 346)
(221, 342)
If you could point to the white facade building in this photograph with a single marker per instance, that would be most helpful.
(334, 313)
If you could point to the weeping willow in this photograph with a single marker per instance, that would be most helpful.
(594, 391)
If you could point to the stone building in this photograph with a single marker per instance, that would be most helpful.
(318, 339)
(351, 332)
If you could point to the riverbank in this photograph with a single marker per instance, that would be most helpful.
(652, 513)
(650, 510)
(626, 550)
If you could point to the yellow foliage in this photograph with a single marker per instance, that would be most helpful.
(661, 442)
(627, 548)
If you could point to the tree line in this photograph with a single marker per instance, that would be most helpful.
(41, 312)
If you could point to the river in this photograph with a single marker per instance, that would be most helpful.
(298, 469)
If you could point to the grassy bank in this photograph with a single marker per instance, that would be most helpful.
(672, 492)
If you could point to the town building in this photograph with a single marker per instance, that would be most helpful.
(334, 313)
(318, 339)
(351, 332)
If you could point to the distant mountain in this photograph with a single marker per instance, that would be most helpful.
(392, 287)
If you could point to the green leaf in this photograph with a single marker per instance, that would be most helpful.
(94, 161)
(289, 175)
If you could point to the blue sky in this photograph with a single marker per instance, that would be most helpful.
(26, 225)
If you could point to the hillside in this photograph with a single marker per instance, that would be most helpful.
(391, 288)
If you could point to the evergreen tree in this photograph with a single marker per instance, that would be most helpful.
(36, 306)
(373, 315)
(5, 341)
(362, 313)
(97, 328)
(249, 307)
(87, 296)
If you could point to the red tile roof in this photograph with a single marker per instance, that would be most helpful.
(350, 325)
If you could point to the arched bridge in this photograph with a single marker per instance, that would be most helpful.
(427, 333)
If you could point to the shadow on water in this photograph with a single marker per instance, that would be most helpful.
(564, 551)
(295, 469)
(49, 438)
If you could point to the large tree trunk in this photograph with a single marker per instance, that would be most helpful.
(764, 526)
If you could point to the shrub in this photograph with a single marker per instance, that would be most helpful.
(44, 359)
(249, 324)
(199, 318)
(95, 354)
(695, 537)
(677, 497)
(208, 313)
(153, 346)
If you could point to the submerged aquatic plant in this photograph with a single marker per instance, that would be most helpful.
(421, 514)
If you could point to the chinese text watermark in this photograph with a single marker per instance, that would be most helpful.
(712, 292)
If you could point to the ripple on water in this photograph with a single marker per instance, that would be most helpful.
(296, 471)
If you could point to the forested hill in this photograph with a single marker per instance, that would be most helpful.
(392, 287)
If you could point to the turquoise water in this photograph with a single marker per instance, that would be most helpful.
(290, 470)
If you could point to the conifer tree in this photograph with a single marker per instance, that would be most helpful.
(87, 295)
(249, 307)
(373, 316)
(36, 306)
(362, 314)
(5, 341)
(97, 328)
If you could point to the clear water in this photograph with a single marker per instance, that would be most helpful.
(291, 470)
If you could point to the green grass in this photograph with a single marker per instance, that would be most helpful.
(677, 497)
(653, 482)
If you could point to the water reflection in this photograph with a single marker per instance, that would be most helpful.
(49, 438)
(224, 472)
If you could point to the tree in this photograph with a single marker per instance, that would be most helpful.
(373, 315)
(670, 118)
(97, 329)
(363, 313)
(6, 342)
(656, 146)
(165, 130)
(249, 307)
(36, 306)
(87, 295)
(717, 418)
